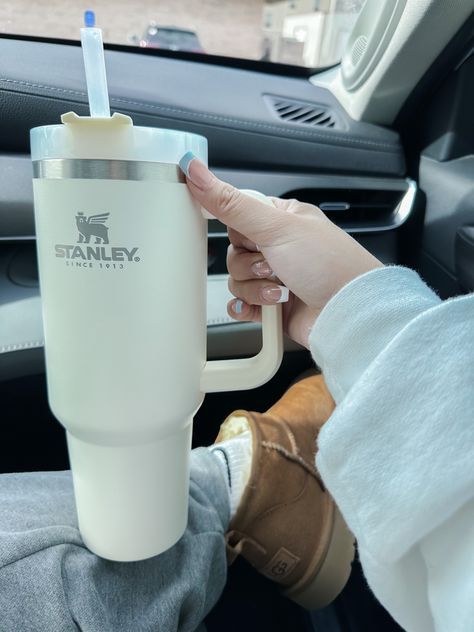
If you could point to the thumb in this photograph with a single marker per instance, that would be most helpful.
(258, 221)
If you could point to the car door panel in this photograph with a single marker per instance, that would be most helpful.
(449, 188)
(444, 134)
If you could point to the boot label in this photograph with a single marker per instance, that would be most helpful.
(281, 565)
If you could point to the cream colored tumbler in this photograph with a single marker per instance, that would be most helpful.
(122, 251)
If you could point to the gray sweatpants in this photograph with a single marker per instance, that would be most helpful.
(49, 581)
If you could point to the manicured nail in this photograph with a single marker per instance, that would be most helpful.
(237, 306)
(185, 162)
(261, 269)
(275, 293)
(196, 171)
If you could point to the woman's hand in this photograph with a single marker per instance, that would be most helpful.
(290, 244)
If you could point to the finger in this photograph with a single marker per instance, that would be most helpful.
(243, 265)
(260, 222)
(239, 310)
(240, 241)
(259, 292)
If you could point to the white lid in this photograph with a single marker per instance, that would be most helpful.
(132, 501)
(113, 138)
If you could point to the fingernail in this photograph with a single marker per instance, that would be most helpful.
(275, 293)
(261, 269)
(237, 306)
(196, 171)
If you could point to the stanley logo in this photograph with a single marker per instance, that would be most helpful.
(106, 256)
(92, 226)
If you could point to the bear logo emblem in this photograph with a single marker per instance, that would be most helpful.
(92, 226)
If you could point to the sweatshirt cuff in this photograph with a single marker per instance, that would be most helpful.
(396, 454)
(361, 320)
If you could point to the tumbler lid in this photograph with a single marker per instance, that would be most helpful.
(112, 138)
(132, 501)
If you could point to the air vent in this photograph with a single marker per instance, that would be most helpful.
(362, 210)
(303, 113)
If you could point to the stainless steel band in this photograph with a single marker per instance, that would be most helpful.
(54, 169)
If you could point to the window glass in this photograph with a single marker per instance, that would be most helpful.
(308, 33)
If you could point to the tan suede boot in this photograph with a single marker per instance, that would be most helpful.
(287, 525)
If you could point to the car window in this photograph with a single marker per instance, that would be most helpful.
(309, 33)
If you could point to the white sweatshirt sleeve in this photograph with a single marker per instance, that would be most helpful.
(398, 452)
(399, 447)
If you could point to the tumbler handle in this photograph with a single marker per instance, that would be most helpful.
(247, 373)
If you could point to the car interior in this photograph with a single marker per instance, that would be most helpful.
(383, 143)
